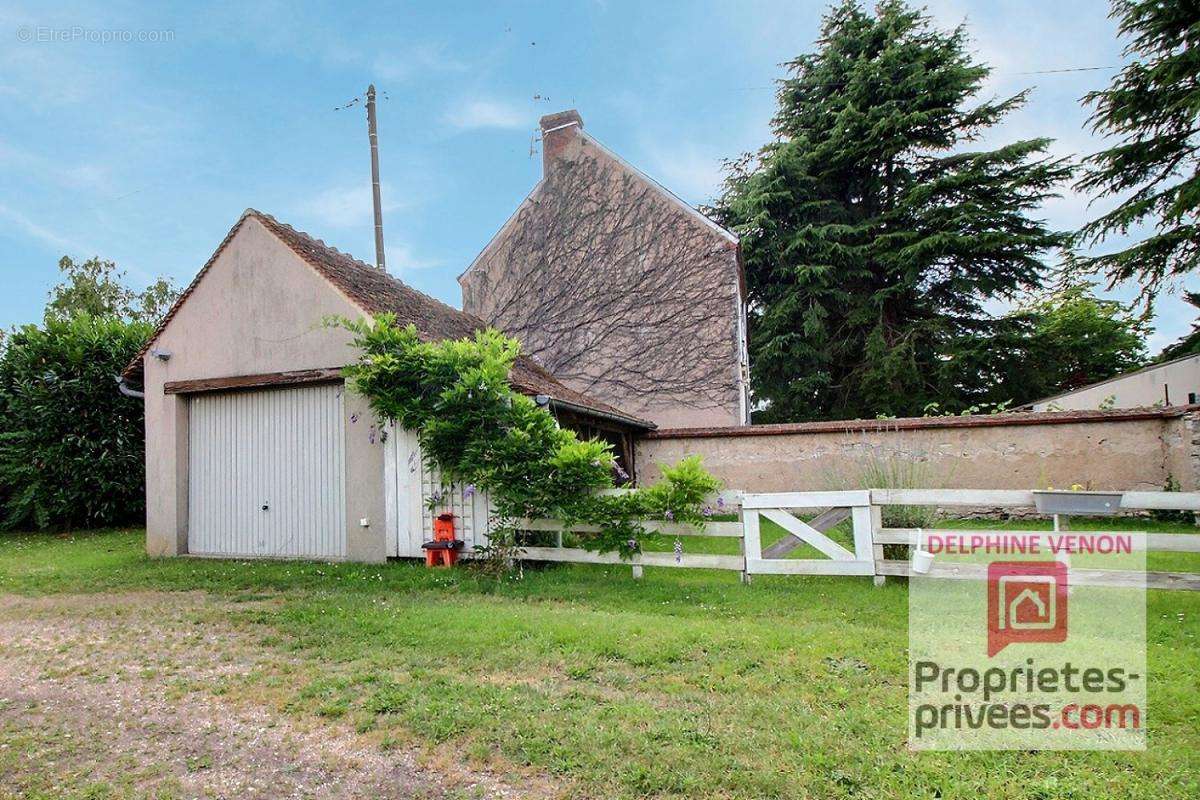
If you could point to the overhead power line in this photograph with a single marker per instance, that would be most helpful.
(1029, 72)
(1067, 69)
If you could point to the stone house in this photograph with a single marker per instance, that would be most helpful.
(618, 287)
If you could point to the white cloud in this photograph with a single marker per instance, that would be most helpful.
(41, 233)
(77, 176)
(485, 113)
(349, 206)
(416, 60)
(401, 258)
(690, 171)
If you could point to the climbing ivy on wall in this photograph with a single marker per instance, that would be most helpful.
(474, 428)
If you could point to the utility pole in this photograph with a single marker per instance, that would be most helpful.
(373, 135)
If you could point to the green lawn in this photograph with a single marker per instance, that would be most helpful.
(684, 684)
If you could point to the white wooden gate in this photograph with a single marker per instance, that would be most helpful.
(777, 507)
(411, 485)
(266, 473)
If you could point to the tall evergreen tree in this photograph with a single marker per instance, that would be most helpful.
(872, 235)
(1153, 107)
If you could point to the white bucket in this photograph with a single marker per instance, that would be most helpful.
(922, 559)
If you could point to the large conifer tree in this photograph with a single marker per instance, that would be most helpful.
(1153, 108)
(872, 233)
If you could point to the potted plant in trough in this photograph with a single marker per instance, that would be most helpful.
(1076, 501)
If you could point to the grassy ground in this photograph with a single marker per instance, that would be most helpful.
(685, 684)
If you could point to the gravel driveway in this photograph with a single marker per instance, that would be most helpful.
(136, 695)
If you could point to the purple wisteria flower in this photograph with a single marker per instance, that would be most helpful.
(706, 511)
(669, 514)
(469, 491)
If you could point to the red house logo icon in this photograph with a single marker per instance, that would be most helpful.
(1027, 602)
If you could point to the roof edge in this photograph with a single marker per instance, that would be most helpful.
(508, 223)
(1131, 373)
(134, 366)
(716, 227)
(632, 422)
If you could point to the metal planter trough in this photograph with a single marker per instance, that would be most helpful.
(1091, 504)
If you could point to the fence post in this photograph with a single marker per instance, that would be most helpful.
(751, 540)
(877, 549)
(866, 524)
(637, 567)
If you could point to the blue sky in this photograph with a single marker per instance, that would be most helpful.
(146, 152)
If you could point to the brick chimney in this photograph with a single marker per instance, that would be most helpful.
(557, 132)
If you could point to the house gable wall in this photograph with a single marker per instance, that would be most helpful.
(619, 289)
(258, 309)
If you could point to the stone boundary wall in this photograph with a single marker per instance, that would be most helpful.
(1119, 450)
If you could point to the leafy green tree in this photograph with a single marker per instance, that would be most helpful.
(1189, 344)
(96, 287)
(1153, 108)
(153, 302)
(1079, 339)
(1058, 341)
(71, 446)
(872, 234)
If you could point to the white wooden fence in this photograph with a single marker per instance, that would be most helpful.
(864, 509)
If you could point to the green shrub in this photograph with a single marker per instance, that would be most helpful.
(71, 446)
(897, 470)
(478, 431)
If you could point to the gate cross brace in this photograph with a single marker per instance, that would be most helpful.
(820, 523)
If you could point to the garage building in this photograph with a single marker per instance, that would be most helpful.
(254, 445)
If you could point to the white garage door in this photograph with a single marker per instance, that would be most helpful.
(266, 473)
